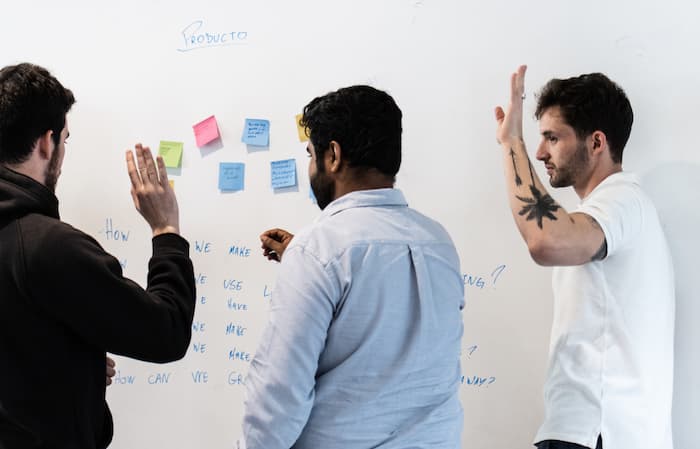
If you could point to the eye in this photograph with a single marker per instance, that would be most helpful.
(552, 139)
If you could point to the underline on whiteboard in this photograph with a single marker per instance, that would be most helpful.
(183, 50)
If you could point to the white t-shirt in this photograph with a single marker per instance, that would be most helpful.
(611, 350)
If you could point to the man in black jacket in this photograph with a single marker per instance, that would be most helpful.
(63, 300)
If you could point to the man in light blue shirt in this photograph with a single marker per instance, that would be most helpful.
(363, 344)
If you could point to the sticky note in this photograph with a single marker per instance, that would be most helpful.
(312, 197)
(172, 183)
(171, 153)
(206, 131)
(256, 132)
(301, 131)
(284, 173)
(231, 176)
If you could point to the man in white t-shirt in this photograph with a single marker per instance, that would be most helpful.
(610, 374)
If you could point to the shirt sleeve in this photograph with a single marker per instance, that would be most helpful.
(281, 380)
(618, 211)
(71, 277)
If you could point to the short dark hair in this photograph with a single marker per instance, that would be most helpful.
(365, 121)
(589, 103)
(32, 102)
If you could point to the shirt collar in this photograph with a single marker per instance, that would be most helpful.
(365, 198)
(615, 177)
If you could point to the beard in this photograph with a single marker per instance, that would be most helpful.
(570, 171)
(323, 188)
(52, 172)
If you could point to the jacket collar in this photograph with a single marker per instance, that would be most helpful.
(21, 195)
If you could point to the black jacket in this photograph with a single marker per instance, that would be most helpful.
(63, 304)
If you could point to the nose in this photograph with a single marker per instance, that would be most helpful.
(542, 154)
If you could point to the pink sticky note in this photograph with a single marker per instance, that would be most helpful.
(206, 131)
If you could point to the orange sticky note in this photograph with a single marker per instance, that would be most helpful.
(303, 137)
(172, 183)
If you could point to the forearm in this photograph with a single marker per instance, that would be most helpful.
(539, 218)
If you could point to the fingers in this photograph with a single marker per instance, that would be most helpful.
(131, 169)
(270, 244)
(517, 85)
(151, 172)
(110, 371)
(162, 172)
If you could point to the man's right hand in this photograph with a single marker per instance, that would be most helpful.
(153, 197)
(275, 242)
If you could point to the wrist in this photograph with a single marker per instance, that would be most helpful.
(167, 229)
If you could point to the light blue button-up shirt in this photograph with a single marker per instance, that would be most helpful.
(363, 344)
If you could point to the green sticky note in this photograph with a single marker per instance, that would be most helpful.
(171, 153)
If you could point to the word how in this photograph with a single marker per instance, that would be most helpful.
(115, 234)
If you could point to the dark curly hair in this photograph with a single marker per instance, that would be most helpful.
(589, 103)
(365, 121)
(32, 102)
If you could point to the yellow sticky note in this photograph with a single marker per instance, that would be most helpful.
(303, 137)
(171, 153)
(172, 183)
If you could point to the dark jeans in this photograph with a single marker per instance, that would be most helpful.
(555, 444)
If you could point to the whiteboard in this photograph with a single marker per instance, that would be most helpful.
(147, 71)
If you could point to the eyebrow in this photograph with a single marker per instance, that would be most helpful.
(547, 133)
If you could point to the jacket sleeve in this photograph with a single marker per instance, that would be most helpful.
(70, 276)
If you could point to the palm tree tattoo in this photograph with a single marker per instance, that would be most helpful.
(539, 206)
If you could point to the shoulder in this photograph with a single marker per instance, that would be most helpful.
(48, 237)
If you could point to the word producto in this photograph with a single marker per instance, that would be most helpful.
(195, 39)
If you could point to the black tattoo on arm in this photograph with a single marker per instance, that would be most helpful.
(518, 181)
(539, 206)
(603, 250)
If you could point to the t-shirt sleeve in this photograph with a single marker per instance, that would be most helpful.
(618, 211)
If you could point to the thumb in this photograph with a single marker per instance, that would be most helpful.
(500, 115)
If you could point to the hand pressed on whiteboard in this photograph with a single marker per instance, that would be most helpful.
(110, 370)
(274, 242)
(510, 123)
(153, 197)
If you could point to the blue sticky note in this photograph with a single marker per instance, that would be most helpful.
(231, 176)
(284, 173)
(256, 132)
(312, 197)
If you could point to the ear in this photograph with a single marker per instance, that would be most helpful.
(335, 155)
(599, 142)
(45, 145)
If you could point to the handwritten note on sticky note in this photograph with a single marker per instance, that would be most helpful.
(231, 176)
(301, 131)
(171, 153)
(284, 173)
(172, 183)
(206, 131)
(256, 132)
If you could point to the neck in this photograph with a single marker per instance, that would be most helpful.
(363, 179)
(598, 176)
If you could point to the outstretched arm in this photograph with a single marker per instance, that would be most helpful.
(553, 236)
